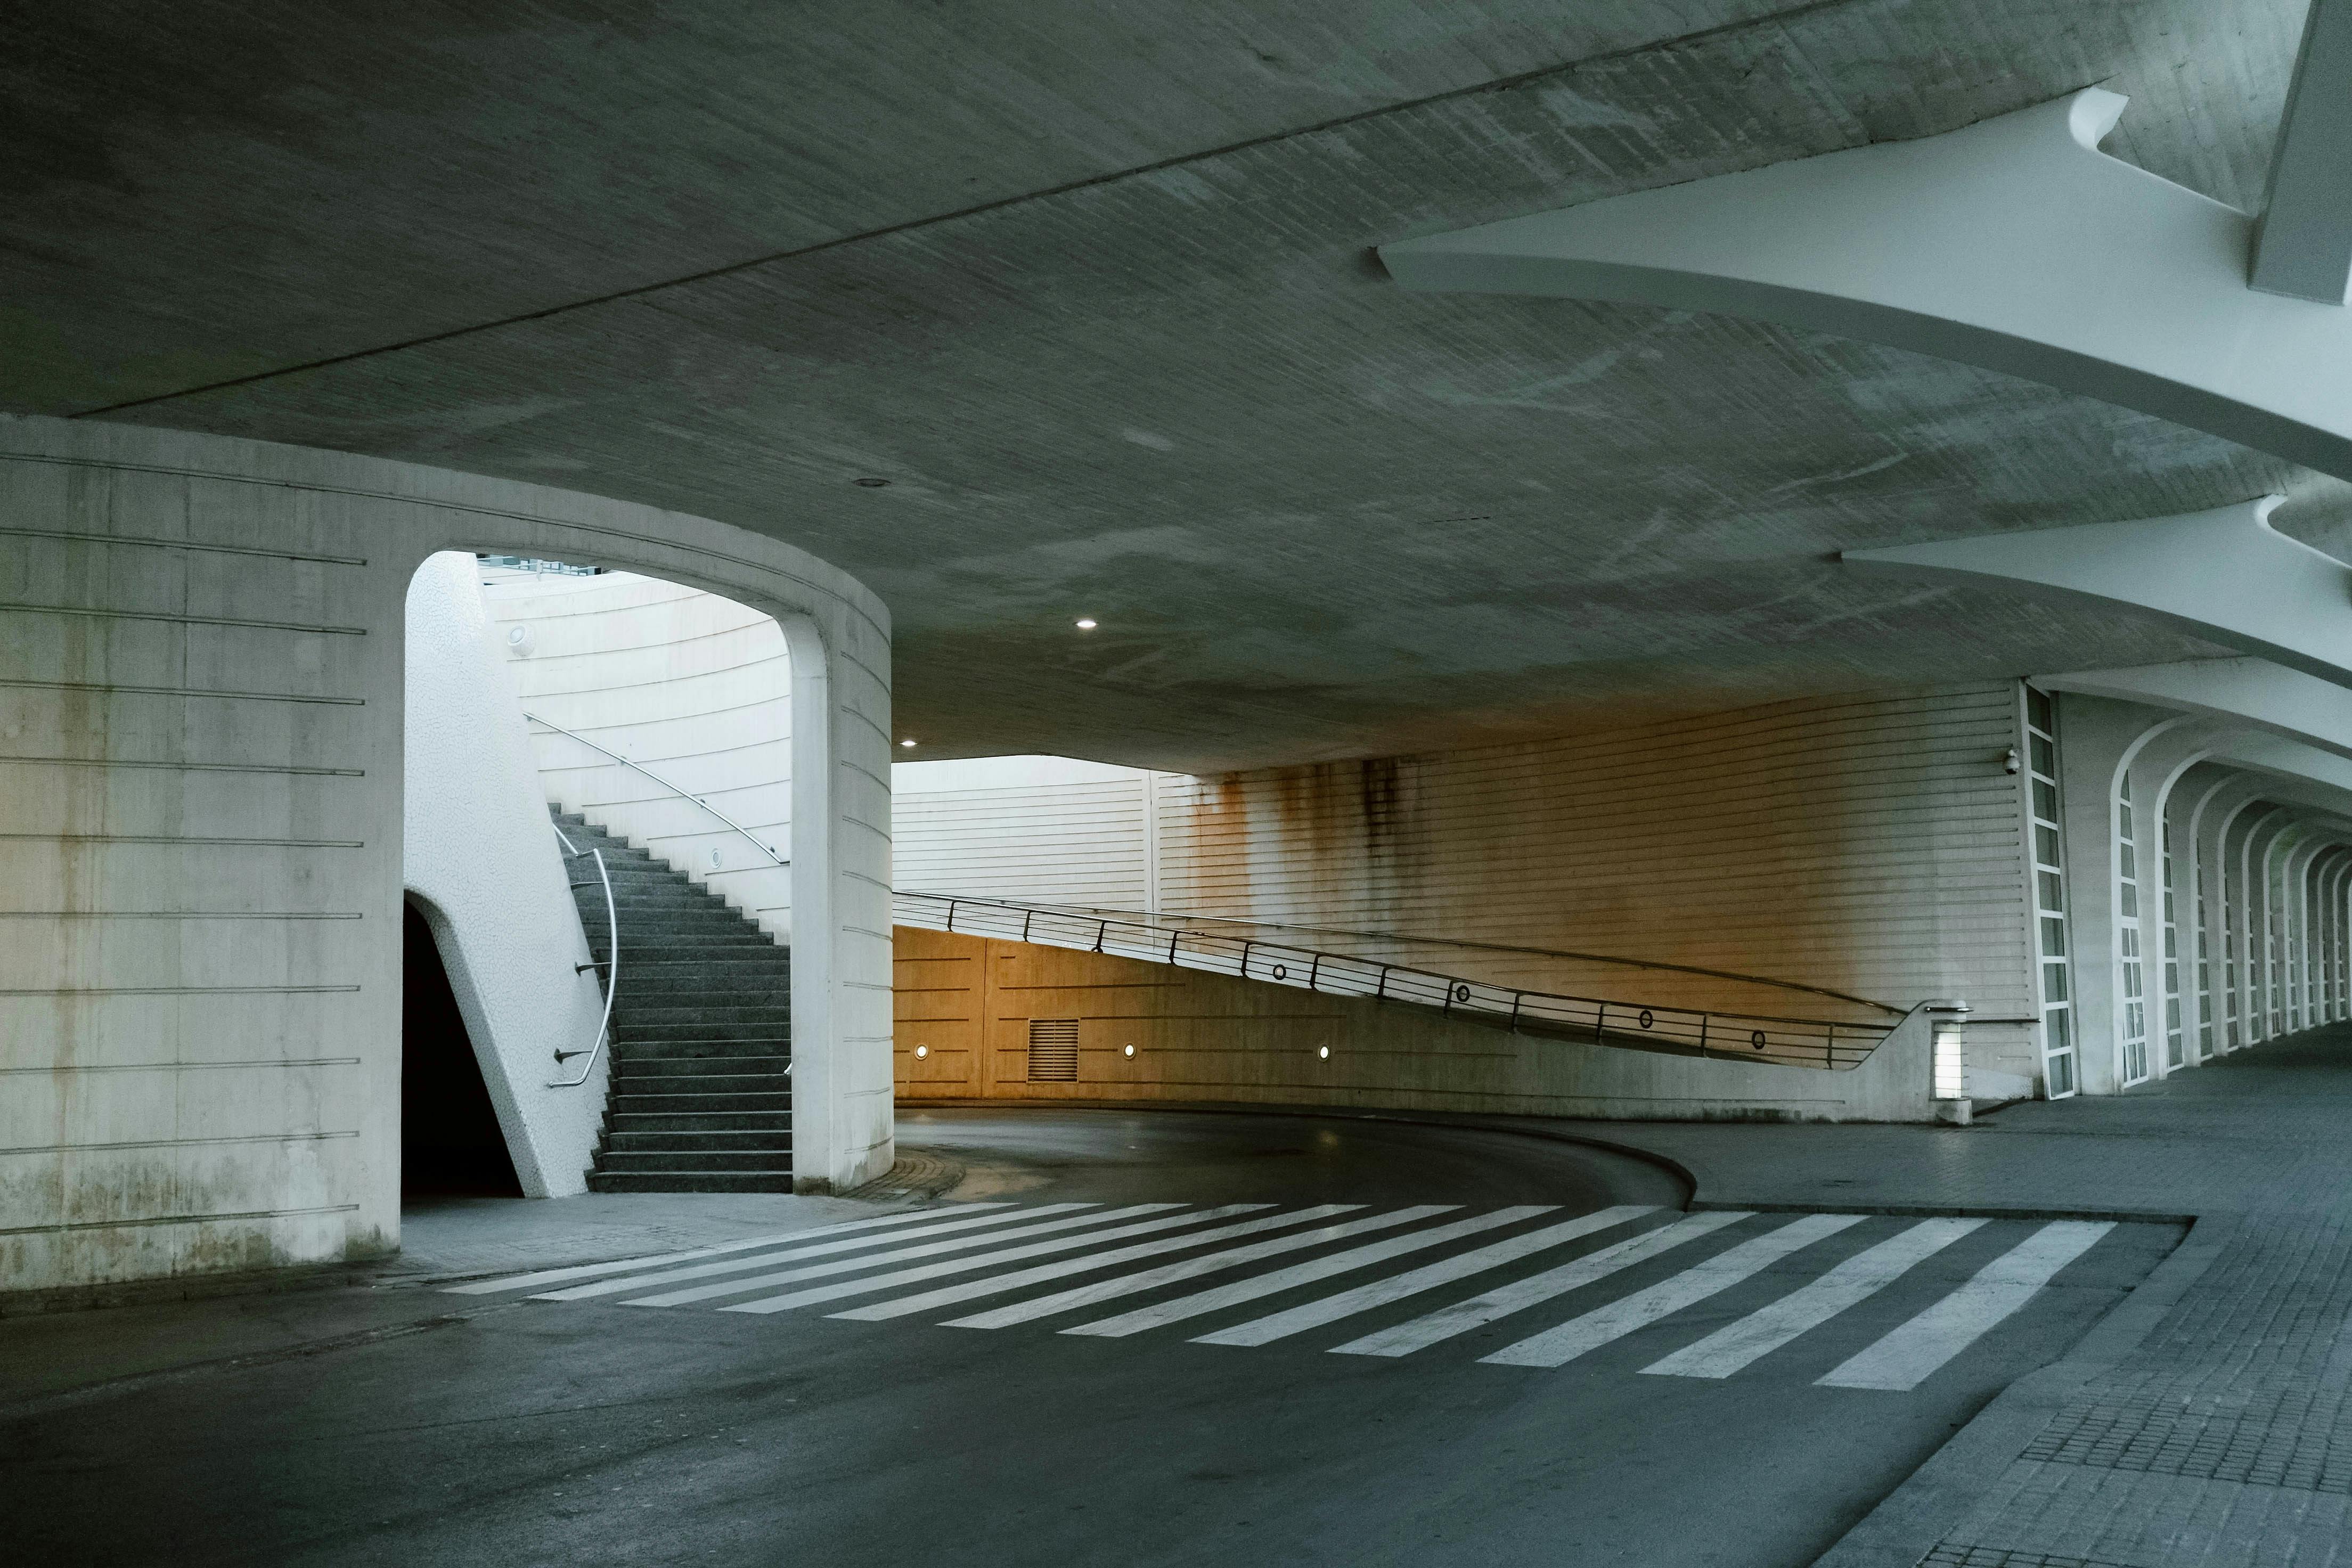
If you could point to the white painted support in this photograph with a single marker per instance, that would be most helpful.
(479, 858)
(2014, 244)
(2226, 575)
(203, 656)
(2255, 691)
(2303, 246)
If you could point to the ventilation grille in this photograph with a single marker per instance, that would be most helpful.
(1052, 1050)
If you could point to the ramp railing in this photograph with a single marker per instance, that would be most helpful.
(1310, 960)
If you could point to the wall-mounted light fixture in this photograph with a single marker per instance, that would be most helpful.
(2010, 762)
(1948, 1059)
(922, 1051)
(1086, 622)
(908, 745)
(520, 640)
(1323, 1053)
(1129, 1050)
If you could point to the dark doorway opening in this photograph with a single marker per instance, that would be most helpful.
(449, 1137)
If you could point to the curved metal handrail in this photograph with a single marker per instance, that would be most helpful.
(1819, 1043)
(639, 767)
(612, 967)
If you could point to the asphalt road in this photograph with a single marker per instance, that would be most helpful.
(410, 1425)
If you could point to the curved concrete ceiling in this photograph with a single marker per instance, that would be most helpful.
(1089, 285)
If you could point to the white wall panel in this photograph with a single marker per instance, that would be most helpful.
(694, 686)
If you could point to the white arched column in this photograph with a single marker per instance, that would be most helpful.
(200, 885)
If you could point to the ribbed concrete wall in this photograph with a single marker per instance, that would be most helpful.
(693, 686)
(200, 835)
(1148, 1031)
(1873, 845)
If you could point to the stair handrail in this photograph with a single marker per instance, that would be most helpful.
(1821, 1043)
(736, 827)
(611, 966)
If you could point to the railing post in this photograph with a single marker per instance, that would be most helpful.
(1380, 992)
(1517, 997)
(1173, 938)
(1702, 1033)
(1829, 1048)
(1026, 916)
(1245, 953)
(1313, 969)
(1599, 1012)
(1102, 928)
(951, 914)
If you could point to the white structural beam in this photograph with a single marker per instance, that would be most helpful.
(2302, 247)
(2286, 702)
(2297, 768)
(2014, 244)
(2226, 575)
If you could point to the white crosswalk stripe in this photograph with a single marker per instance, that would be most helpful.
(768, 1259)
(1190, 1268)
(866, 1260)
(1380, 1292)
(1904, 1358)
(810, 1298)
(1520, 1294)
(950, 1295)
(1223, 1296)
(1792, 1285)
(1558, 1347)
(631, 1264)
(1856, 1280)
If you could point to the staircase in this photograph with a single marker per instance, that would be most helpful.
(700, 1101)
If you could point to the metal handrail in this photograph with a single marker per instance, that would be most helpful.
(682, 794)
(1819, 1043)
(612, 967)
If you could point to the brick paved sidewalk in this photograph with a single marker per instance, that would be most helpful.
(2209, 1421)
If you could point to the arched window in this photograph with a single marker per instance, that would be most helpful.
(2049, 894)
(2131, 1014)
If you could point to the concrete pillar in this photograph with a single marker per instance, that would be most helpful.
(200, 774)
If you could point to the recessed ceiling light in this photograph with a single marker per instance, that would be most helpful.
(907, 743)
(1086, 623)
(872, 484)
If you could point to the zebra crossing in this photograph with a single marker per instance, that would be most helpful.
(1929, 1288)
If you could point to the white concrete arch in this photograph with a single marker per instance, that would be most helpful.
(201, 671)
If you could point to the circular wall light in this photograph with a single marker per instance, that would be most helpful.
(520, 641)
(908, 744)
(1130, 1050)
(1323, 1053)
(922, 1051)
(1086, 622)
(871, 484)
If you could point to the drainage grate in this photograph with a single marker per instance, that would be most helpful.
(1052, 1050)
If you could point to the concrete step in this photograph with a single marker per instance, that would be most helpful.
(685, 1049)
(627, 1027)
(679, 1160)
(739, 986)
(631, 1069)
(690, 1182)
(724, 1007)
(741, 1138)
(761, 1085)
(628, 1101)
(702, 1121)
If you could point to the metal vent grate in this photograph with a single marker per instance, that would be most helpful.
(1052, 1050)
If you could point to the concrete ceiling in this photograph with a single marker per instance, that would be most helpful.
(1087, 281)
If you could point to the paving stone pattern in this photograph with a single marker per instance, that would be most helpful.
(2225, 1436)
